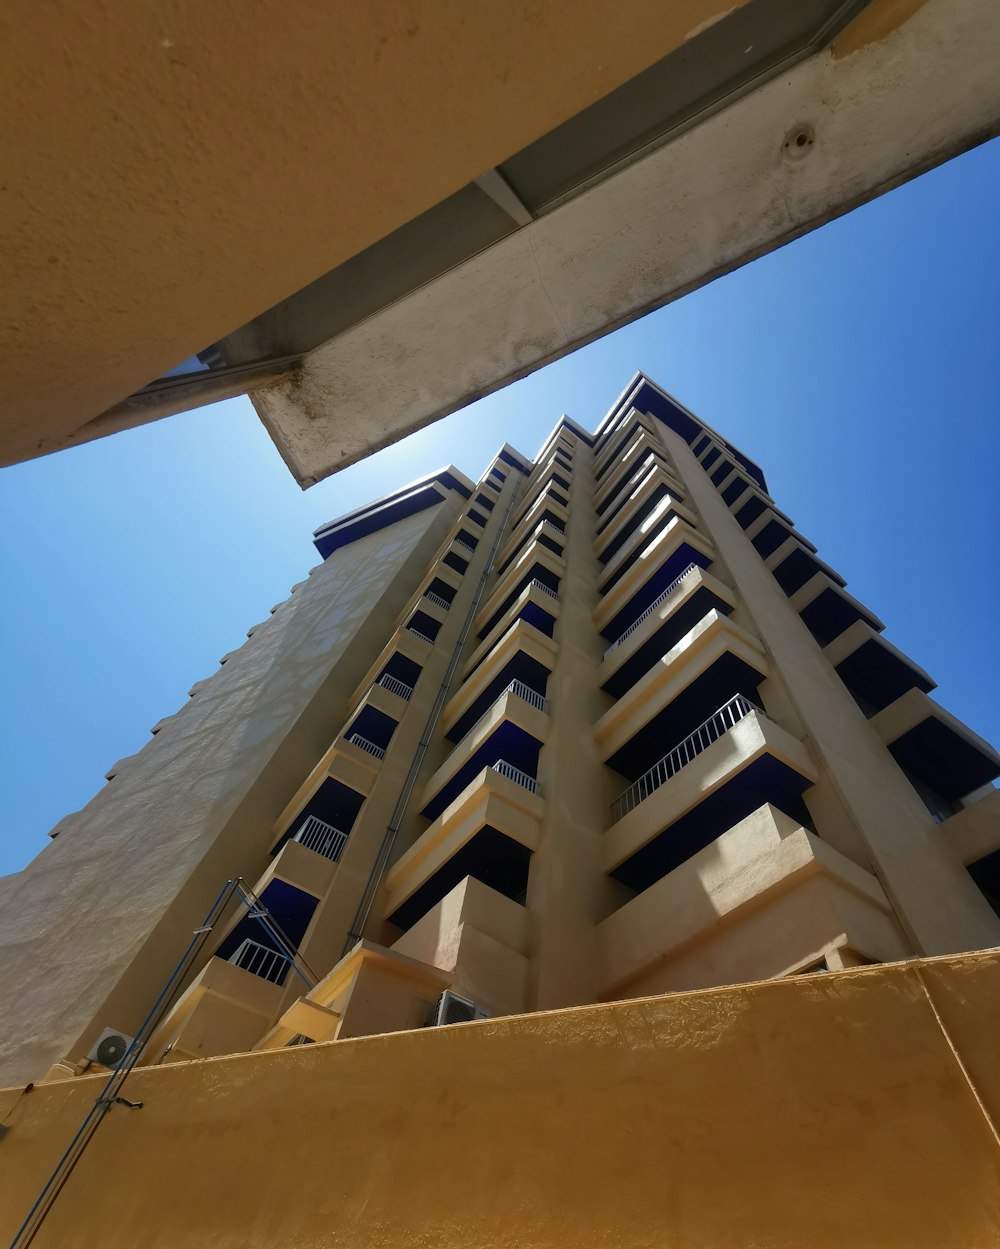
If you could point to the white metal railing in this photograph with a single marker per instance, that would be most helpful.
(395, 686)
(718, 723)
(378, 752)
(417, 634)
(542, 586)
(651, 608)
(516, 775)
(316, 834)
(526, 692)
(462, 542)
(437, 600)
(261, 961)
(516, 687)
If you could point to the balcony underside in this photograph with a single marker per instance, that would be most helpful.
(832, 611)
(508, 741)
(718, 917)
(490, 856)
(671, 567)
(665, 636)
(946, 760)
(722, 679)
(878, 674)
(521, 667)
(767, 779)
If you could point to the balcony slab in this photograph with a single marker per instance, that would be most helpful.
(751, 739)
(708, 900)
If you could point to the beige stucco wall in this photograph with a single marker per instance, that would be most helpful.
(852, 1109)
(940, 908)
(93, 926)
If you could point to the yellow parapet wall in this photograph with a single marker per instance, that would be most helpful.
(851, 1109)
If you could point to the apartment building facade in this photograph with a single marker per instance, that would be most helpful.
(598, 726)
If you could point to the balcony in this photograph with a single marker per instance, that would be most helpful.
(520, 657)
(642, 541)
(939, 752)
(714, 661)
(618, 444)
(306, 857)
(974, 830)
(676, 610)
(874, 671)
(544, 505)
(644, 456)
(666, 557)
(770, 530)
(727, 768)
(488, 831)
(792, 565)
(547, 531)
(765, 898)
(225, 1010)
(827, 609)
(651, 499)
(537, 608)
(482, 938)
(513, 729)
(260, 960)
(371, 729)
(371, 991)
(535, 563)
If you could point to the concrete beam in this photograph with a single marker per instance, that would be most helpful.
(879, 107)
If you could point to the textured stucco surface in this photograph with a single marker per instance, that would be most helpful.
(852, 1109)
(200, 798)
(174, 170)
(898, 100)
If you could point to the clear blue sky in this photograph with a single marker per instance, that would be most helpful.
(859, 366)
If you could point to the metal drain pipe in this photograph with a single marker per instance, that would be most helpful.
(363, 912)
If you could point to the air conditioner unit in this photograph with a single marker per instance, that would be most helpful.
(450, 1008)
(110, 1048)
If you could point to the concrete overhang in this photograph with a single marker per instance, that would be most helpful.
(689, 791)
(376, 243)
(508, 720)
(725, 884)
(929, 743)
(489, 800)
(533, 601)
(672, 549)
(713, 638)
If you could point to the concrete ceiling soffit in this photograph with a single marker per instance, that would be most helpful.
(173, 171)
(836, 130)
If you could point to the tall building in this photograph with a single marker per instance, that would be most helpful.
(598, 726)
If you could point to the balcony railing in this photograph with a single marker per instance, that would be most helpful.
(717, 724)
(317, 835)
(417, 634)
(437, 600)
(651, 608)
(516, 687)
(516, 775)
(462, 542)
(377, 752)
(540, 585)
(527, 693)
(395, 686)
(260, 961)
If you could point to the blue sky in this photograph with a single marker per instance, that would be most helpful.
(859, 366)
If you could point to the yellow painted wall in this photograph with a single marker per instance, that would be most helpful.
(849, 1109)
